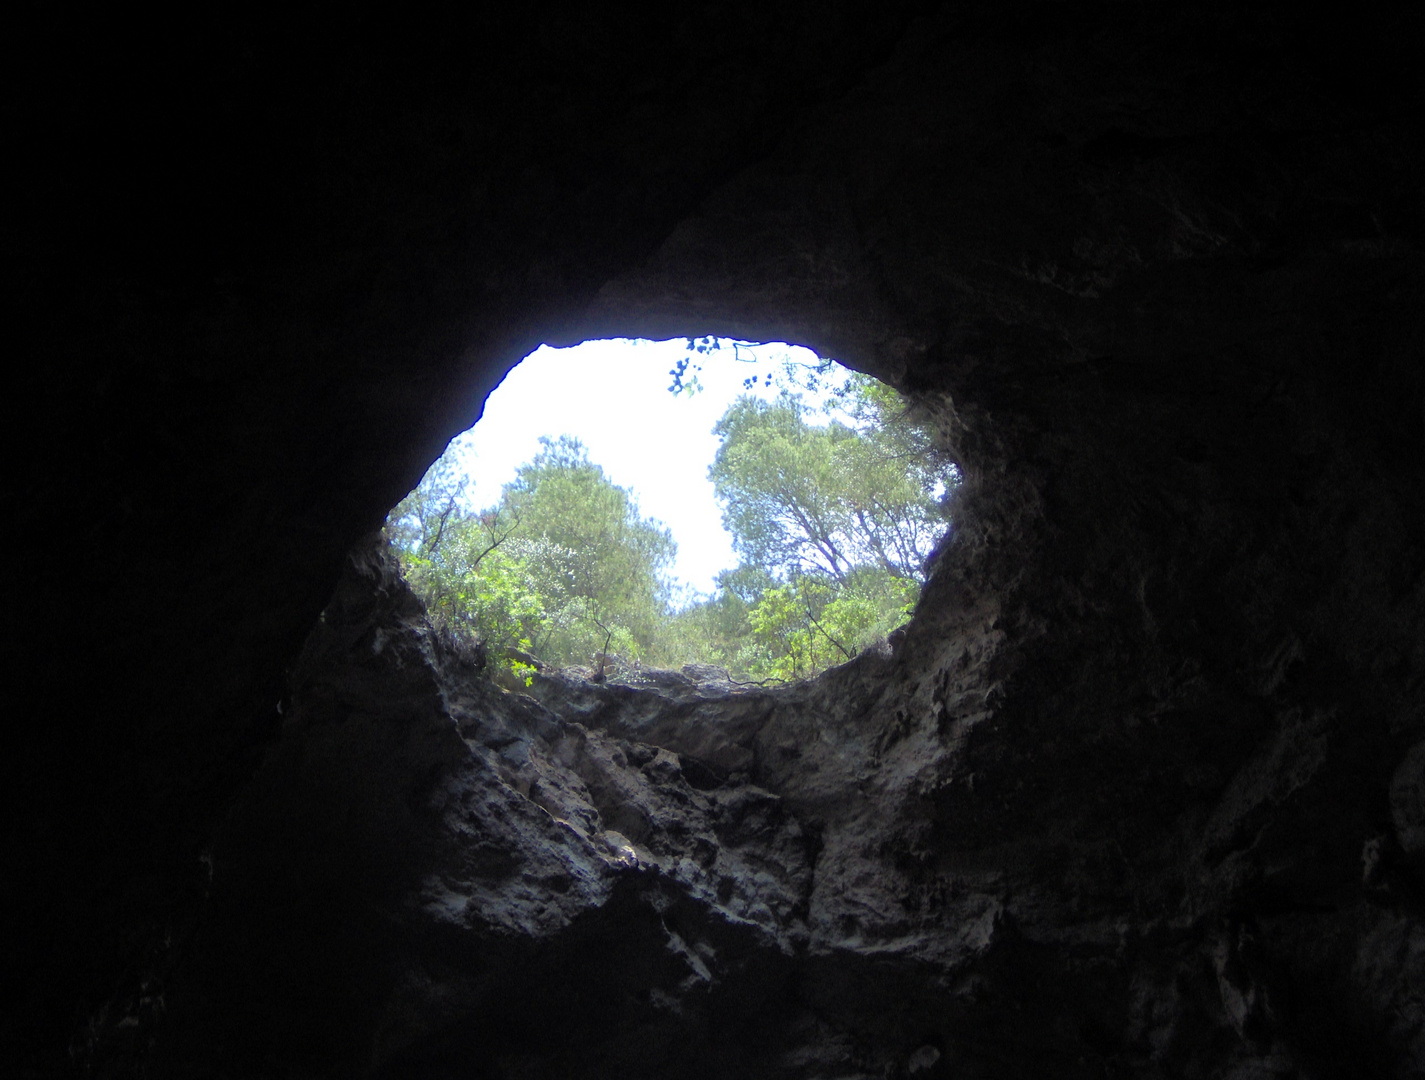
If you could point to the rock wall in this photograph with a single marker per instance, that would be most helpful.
(1138, 794)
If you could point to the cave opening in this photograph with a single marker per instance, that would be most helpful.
(747, 512)
(1141, 793)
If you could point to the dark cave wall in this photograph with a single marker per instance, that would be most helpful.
(1163, 263)
(1186, 356)
(220, 225)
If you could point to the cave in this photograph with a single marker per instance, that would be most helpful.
(1138, 792)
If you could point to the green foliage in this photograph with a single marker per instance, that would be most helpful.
(716, 630)
(454, 559)
(562, 567)
(806, 499)
(600, 565)
(834, 621)
(833, 523)
(803, 625)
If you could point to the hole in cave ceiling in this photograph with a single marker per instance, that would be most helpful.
(629, 504)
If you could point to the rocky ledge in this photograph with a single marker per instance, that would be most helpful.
(669, 875)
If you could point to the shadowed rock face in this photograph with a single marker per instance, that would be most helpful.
(1138, 793)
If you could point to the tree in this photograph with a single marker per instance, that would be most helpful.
(450, 555)
(812, 622)
(598, 563)
(835, 522)
(800, 498)
(562, 567)
(718, 629)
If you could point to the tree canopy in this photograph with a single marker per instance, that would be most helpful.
(832, 522)
(599, 566)
(807, 499)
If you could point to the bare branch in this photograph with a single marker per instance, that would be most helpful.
(827, 634)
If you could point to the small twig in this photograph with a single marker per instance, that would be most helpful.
(604, 652)
(827, 634)
(498, 537)
(444, 517)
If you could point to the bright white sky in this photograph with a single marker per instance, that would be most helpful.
(613, 395)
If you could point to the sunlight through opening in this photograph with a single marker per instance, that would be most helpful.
(751, 510)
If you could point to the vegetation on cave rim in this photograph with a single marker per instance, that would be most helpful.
(833, 524)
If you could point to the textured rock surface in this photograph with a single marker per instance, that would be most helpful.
(668, 875)
(1138, 794)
